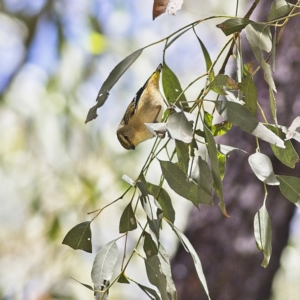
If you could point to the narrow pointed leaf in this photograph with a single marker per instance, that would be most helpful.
(291, 131)
(166, 270)
(180, 128)
(152, 294)
(290, 188)
(155, 275)
(80, 237)
(127, 221)
(263, 234)
(128, 180)
(222, 80)
(150, 247)
(85, 285)
(171, 86)
(240, 116)
(103, 267)
(182, 151)
(279, 8)
(231, 26)
(182, 185)
(273, 106)
(164, 200)
(190, 249)
(249, 90)
(261, 166)
(111, 80)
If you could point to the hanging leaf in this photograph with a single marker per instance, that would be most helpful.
(273, 106)
(123, 278)
(287, 156)
(207, 58)
(164, 200)
(180, 184)
(151, 207)
(148, 291)
(159, 7)
(259, 38)
(290, 188)
(261, 166)
(249, 90)
(166, 270)
(220, 81)
(150, 247)
(171, 86)
(127, 220)
(155, 275)
(182, 151)
(111, 80)
(279, 8)
(180, 128)
(85, 285)
(240, 116)
(263, 234)
(190, 249)
(231, 26)
(103, 268)
(128, 180)
(291, 132)
(80, 237)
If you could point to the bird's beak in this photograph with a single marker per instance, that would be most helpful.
(132, 147)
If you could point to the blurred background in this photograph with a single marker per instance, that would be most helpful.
(54, 169)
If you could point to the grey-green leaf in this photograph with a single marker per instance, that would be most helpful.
(231, 26)
(148, 291)
(263, 234)
(182, 185)
(111, 80)
(150, 247)
(290, 188)
(182, 151)
(279, 8)
(249, 90)
(166, 270)
(190, 249)
(180, 128)
(80, 237)
(171, 86)
(127, 221)
(155, 275)
(164, 200)
(103, 267)
(85, 285)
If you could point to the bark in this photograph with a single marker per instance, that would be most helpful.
(226, 246)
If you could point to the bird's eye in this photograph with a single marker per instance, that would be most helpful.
(126, 137)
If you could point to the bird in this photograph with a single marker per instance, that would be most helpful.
(147, 106)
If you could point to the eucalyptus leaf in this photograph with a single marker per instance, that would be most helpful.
(150, 247)
(261, 166)
(273, 105)
(234, 25)
(290, 188)
(80, 237)
(123, 278)
(111, 80)
(85, 285)
(291, 131)
(152, 294)
(263, 234)
(128, 180)
(127, 220)
(103, 267)
(182, 151)
(279, 8)
(220, 81)
(249, 90)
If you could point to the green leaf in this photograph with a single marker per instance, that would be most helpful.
(103, 267)
(231, 26)
(273, 106)
(123, 278)
(240, 116)
(171, 86)
(148, 291)
(182, 185)
(166, 270)
(190, 249)
(182, 151)
(279, 8)
(127, 221)
(164, 200)
(263, 234)
(80, 237)
(155, 275)
(85, 285)
(287, 156)
(249, 90)
(151, 207)
(259, 38)
(290, 188)
(150, 247)
(180, 128)
(220, 81)
(111, 80)
(207, 58)
(222, 164)
(216, 129)
(261, 166)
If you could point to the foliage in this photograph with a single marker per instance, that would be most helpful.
(196, 161)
